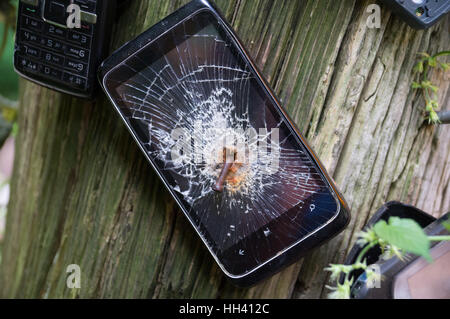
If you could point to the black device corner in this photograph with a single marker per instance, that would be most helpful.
(419, 14)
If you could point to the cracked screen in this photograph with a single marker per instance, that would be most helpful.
(220, 143)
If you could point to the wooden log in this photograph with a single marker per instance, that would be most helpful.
(83, 194)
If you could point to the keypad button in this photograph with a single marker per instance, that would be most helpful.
(30, 51)
(74, 80)
(51, 72)
(53, 58)
(55, 31)
(29, 65)
(31, 37)
(79, 38)
(79, 53)
(76, 67)
(32, 24)
(52, 44)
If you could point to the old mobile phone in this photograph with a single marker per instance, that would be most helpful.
(419, 14)
(225, 149)
(56, 55)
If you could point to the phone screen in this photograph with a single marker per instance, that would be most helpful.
(200, 112)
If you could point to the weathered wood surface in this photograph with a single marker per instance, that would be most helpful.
(83, 194)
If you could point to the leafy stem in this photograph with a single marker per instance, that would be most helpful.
(439, 238)
(396, 237)
(429, 91)
(364, 251)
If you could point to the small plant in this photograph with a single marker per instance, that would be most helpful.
(8, 18)
(395, 238)
(429, 91)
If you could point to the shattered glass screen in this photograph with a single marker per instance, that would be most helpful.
(220, 143)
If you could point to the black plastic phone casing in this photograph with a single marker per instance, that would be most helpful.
(419, 14)
(64, 59)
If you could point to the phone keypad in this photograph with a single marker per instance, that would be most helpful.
(57, 53)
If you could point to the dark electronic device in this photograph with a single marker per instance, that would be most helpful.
(204, 118)
(419, 14)
(413, 277)
(51, 54)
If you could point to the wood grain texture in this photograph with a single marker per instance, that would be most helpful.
(83, 194)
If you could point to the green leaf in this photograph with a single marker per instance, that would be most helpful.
(432, 62)
(419, 67)
(405, 234)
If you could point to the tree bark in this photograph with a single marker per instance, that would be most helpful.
(83, 194)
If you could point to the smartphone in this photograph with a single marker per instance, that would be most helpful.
(214, 132)
(59, 55)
